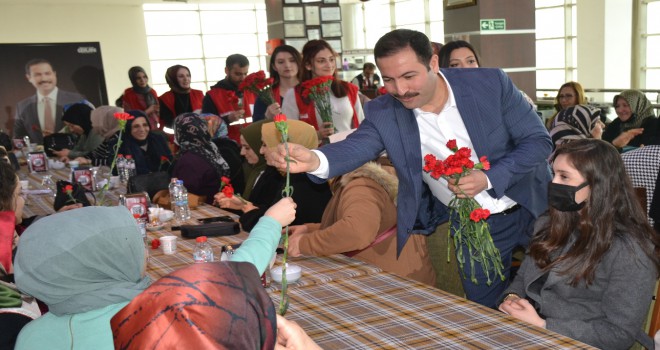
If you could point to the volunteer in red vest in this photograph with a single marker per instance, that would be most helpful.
(225, 100)
(142, 97)
(319, 59)
(180, 99)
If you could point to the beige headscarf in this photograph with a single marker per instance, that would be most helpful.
(299, 132)
(104, 122)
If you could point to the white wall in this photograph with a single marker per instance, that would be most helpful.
(119, 29)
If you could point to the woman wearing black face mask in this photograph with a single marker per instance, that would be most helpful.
(592, 265)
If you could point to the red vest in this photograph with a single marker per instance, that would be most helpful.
(223, 105)
(132, 101)
(196, 97)
(310, 109)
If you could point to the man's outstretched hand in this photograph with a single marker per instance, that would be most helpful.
(302, 159)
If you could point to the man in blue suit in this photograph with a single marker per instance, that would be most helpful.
(426, 107)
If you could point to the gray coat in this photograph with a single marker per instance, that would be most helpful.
(26, 122)
(609, 313)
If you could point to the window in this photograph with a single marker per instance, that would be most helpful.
(652, 66)
(556, 45)
(201, 37)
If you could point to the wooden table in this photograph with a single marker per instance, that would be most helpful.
(344, 303)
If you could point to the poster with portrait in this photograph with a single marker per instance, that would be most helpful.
(78, 70)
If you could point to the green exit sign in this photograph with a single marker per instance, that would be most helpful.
(492, 24)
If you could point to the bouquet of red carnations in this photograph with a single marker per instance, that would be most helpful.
(472, 231)
(318, 91)
(261, 86)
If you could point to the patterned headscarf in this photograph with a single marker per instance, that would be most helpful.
(640, 106)
(104, 122)
(191, 133)
(203, 306)
(82, 260)
(574, 123)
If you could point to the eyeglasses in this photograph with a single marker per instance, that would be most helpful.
(566, 96)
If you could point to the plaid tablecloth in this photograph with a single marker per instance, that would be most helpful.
(383, 311)
(344, 303)
(316, 270)
(42, 203)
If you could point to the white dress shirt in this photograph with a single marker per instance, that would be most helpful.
(435, 130)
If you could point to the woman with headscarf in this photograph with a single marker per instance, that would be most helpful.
(634, 111)
(574, 123)
(86, 265)
(142, 97)
(310, 197)
(105, 124)
(199, 163)
(181, 98)
(78, 119)
(225, 301)
(147, 148)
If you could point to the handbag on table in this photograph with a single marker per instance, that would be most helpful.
(62, 198)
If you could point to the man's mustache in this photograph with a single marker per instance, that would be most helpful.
(45, 82)
(407, 95)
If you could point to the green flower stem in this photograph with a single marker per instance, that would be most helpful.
(475, 236)
(106, 187)
(284, 298)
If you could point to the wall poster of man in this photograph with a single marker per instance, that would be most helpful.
(40, 79)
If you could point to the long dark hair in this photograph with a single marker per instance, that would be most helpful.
(309, 51)
(283, 48)
(611, 212)
(8, 183)
(445, 52)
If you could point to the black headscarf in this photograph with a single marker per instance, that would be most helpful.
(149, 160)
(79, 114)
(149, 99)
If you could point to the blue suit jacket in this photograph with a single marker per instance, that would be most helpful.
(501, 125)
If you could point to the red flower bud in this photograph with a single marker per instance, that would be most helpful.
(451, 144)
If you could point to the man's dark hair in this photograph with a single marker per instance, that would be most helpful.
(238, 59)
(368, 65)
(34, 62)
(399, 39)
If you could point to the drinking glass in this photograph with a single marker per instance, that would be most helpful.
(48, 183)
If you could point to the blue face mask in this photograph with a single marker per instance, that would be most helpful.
(562, 197)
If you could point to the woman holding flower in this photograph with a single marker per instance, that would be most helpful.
(311, 198)
(285, 65)
(344, 112)
(592, 265)
(149, 149)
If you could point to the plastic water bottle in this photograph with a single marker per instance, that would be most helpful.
(130, 167)
(142, 226)
(182, 211)
(203, 251)
(121, 166)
